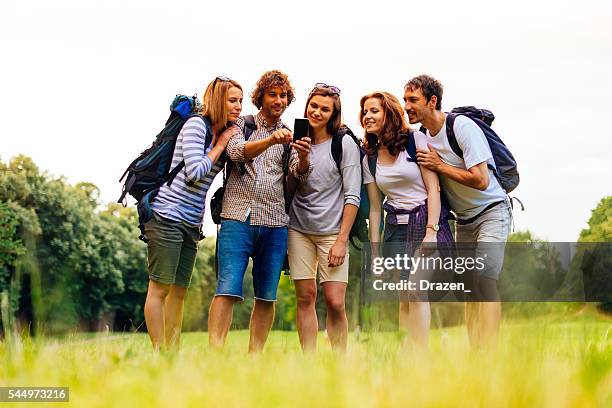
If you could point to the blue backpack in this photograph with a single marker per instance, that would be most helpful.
(151, 169)
(505, 169)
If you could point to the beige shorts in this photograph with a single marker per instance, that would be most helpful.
(308, 255)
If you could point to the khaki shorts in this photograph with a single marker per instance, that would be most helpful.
(489, 233)
(308, 255)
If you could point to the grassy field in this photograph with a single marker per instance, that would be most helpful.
(543, 362)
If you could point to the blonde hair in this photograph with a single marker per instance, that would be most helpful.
(213, 103)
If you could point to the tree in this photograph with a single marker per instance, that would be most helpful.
(129, 257)
(595, 254)
(600, 223)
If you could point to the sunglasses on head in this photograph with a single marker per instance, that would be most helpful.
(334, 90)
(222, 79)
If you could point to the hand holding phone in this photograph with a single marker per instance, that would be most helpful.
(300, 129)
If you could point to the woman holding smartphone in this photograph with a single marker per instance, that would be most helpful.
(321, 216)
(178, 209)
(414, 212)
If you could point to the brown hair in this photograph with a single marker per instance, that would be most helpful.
(429, 86)
(269, 80)
(335, 121)
(394, 130)
(213, 103)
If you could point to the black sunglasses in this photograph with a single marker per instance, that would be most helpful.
(333, 89)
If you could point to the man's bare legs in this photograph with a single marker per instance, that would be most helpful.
(220, 319)
(262, 318)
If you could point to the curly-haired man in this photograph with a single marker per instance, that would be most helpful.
(254, 218)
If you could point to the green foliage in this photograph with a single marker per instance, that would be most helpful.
(11, 246)
(595, 261)
(600, 223)
(202, 289)
(83, 265)
(129, 257)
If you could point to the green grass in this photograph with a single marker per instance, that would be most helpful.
(544, 362)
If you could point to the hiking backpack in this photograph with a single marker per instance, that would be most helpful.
(151, 169)
(505, 169)
(359, 230)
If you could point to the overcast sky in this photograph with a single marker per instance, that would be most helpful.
(86, 85)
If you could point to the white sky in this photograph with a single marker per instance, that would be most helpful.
(86, 85)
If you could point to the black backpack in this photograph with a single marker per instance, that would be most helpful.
(505, 169)
(216, 202)
(359, 230)
(410, 149)
(151, 169)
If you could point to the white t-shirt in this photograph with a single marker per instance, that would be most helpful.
(401, 182)
(467, 202)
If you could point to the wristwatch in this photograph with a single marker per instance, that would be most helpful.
(435, 227)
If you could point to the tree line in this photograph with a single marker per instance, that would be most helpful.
(67, 263)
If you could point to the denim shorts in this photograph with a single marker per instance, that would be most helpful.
(239, 241)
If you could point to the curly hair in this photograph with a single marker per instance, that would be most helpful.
(394, 130)
(269, 80)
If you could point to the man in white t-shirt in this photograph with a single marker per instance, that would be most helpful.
(474, 194)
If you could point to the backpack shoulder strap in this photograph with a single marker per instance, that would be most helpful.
(249, 126)
(411, 147)
(208, 125)
(372, 164)
(336, 150)
(450, 134)
(336, 145)
(286, 157)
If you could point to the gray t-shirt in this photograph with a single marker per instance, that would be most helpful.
(319, 201)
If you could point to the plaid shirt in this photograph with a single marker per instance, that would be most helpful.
(417, 226)
(259, 192)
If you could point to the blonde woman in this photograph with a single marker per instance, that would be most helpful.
(178, 210)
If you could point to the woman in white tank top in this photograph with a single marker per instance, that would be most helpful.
(415, 216)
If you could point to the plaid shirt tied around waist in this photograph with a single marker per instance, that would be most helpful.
(417, 226)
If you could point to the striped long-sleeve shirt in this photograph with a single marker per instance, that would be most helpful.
(179, 201)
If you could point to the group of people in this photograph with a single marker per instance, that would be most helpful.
(259, 222)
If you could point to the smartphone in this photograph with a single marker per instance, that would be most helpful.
(300, 129)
